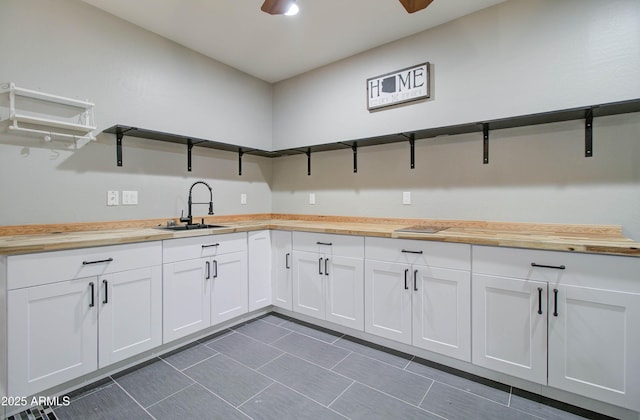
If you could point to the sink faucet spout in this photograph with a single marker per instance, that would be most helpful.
(189, 218)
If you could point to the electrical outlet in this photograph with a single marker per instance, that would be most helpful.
(406, 197)
(312, 198)
(129, 198)
(243, 198)
(113, 198)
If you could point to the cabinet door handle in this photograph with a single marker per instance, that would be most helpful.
(555, 302)
(108, 260)
(215, 269)
(92, 303)
(406, 274)
(556, 267)
(539, 300)
(286, 261)
(210, 245)
(106, 291)
(324, 243)
(415, 280)
(208, 264)
(408, 251)
(320, 266)
(326, 270)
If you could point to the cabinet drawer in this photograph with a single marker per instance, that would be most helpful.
(324, 243)
(432, 254)
(202, 246)
(589, 270)
(51, 267)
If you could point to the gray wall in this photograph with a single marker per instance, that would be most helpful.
(136, 78)
(519, 57)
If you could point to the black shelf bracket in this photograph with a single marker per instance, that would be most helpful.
(308, 153)
(189, 148)
(354, 147)
(588, 134)
(412, 143)
(485, 143)
(240, 153)
(119, 136)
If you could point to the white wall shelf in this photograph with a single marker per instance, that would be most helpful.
(82, 111)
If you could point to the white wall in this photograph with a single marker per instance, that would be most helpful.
(516, 58)
(136, 78)
(519, 57)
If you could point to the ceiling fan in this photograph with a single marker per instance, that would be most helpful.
(280, 7)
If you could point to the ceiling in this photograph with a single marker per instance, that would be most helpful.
(274, 48)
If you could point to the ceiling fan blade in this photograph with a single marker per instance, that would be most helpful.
(276, 7)
(413, 6)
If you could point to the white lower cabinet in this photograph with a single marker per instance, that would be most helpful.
(281, 277)
(259, 251)
(419, 304)
(569, 321)
(328, 278)
(205, 282)
(61, 329)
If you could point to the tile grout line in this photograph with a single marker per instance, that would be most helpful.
(398, 399)
(425, 394)
(256, 394)
(131, 396)
(340, 361)
(342, 393)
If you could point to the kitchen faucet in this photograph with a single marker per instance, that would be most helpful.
(189, 218)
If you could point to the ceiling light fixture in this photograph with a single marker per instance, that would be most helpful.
(293, 10)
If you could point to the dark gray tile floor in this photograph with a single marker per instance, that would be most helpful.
(277, 368)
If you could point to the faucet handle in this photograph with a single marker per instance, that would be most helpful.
(182, 218)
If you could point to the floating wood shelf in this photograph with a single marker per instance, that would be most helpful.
(586, 113)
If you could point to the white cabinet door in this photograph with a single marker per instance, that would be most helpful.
(308, 284)
(186, 303)
(345, 291)
(442, 311)
(259, 269)
(53, 335)
(281, 282)
(229, 284)
(130, 313)
(509, 335)
(388, 300)
(594, 344)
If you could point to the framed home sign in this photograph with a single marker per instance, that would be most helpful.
(400, 86)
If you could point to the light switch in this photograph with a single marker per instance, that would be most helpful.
(312, 198)
(129, 198)
(243, 198)
(406, 197)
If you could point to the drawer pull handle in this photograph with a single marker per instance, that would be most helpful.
(108, 260)
(539, 300)
(208, 265)
(215, 269)
(406, 273)
(106, 291)
(326, 270)
(415, 280)
(93, 302)
(407, 251)
(320, 266)
(286, 261)
(324, 243)
(555, 302)
(556, 267)
(209, 246)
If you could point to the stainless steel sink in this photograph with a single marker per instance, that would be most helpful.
(191, 227)
(423, 229)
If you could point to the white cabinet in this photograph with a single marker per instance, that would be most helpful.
(62, 327)
(411, 298)
(328, 277)
(510, 328)
(204, 282)
(281, 278)
(590, 305)
(259, 244)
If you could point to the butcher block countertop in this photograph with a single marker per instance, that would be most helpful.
(597, 239)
